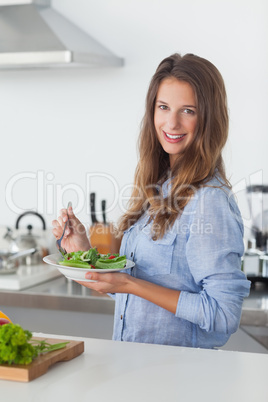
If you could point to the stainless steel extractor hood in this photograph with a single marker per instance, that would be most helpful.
(32, 34)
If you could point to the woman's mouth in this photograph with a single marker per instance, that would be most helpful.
(173, 137)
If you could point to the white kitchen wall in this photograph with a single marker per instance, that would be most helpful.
(68, 132)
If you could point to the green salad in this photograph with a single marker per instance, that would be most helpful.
(93, 259)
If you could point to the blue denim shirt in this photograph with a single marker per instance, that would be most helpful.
(201, 257)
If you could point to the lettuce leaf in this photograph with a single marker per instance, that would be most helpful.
(91, 257)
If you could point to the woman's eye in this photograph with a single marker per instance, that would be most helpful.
(188, 111)
(163, 107)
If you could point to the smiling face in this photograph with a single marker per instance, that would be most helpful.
(175, 116)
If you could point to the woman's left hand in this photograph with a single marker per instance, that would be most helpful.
(108, 282)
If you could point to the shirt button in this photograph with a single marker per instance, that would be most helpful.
(131, 255)
(121, 317)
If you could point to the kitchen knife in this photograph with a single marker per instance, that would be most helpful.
(103, 208)
(93, 208)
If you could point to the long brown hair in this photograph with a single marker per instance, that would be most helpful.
(194, 166)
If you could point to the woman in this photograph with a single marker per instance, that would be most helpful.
(183, 228)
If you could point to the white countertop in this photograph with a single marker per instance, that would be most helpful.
(132, 372)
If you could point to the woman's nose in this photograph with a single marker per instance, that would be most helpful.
(173, 121)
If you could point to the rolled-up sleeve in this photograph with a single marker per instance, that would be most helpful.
(213, 251)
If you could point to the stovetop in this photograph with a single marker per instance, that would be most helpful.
(27, 276)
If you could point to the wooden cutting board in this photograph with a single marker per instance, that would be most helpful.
(41, 364)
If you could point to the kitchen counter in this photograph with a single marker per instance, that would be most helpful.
(68, 295)
(51, 303)
(61, 294)
(120, 371)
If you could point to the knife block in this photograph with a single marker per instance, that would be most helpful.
(102, 237)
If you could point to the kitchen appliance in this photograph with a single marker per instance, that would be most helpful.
(28, 240)
(102, 234)
(29, 270)
(258, 204)
(9, 262)
(264, 263)
(251, 260)
(33, 34)
(255, 262)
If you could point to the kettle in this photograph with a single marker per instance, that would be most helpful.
(28, 241)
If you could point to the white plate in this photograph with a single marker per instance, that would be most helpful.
(78, 274)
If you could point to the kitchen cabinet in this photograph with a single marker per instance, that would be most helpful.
(59, 322)
(60, 306)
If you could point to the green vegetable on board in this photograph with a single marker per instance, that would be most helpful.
(18, 347)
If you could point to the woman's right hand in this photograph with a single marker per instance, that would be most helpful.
(75, 237)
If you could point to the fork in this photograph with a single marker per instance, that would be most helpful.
(58, 242)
